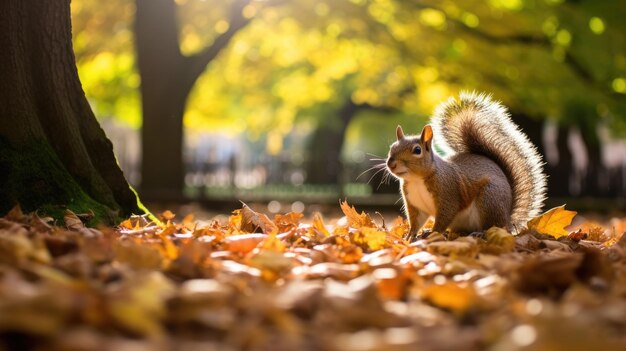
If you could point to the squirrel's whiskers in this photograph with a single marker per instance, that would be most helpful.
(492, 175)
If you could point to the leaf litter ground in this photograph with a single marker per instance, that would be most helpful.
(255, 283)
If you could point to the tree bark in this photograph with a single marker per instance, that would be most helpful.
(53, 152)
(167, 77)
(559, 175)
(325, 166)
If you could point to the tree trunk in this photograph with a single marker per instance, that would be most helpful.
(559, 175)
(53, 152)
(593, 184)
(325, 166)
(167, 77)
(161, 66)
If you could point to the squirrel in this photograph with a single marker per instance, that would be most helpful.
(491, 175)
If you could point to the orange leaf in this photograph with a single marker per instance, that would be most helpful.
(373, 238)
(287, 221)
(243, 243)
(355, 219)
(399, 227)
(167, 215)
(553, 222)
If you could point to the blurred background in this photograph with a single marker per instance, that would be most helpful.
(286, 102)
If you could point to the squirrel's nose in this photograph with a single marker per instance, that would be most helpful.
(392, 163)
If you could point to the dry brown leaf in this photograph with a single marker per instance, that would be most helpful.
(458, 248)
(16, 214)
(251, 221)
(138, 254)
(355, 219)
(553, 222)
(138, 305)
(217, 289)
(498, 241)
(555, 271)
(72, 221)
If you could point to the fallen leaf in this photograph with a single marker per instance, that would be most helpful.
(371, 238)
(287, 221)
(319, 226)
(457, 248)
(72, 221)
(553, 222)
(457, 297)
(498, 241)
(243, 243)
(167, 215)
(355, 219)
(251, 221)
(15, 214)
(138, 305)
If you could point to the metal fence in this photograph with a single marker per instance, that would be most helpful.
(221, 167)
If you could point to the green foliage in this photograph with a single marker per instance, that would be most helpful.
(300, 61)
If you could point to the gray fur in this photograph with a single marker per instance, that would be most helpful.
(476, 124)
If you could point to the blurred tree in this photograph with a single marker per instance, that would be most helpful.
(302, 61)
(167, 77)
(53, 153)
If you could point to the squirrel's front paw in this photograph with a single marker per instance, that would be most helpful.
(413, 235)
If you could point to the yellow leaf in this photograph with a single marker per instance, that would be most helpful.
(456, 297)
(373, 238)
(553, 222)
(498, 241)
(139, 304)
(234, 222)
(272, 243)
(355, 219)
(318, 224)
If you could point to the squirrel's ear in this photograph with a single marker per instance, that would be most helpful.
(427, 134)
(399, 133)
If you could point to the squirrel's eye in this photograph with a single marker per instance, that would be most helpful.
(417, 150)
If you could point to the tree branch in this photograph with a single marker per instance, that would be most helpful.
(540, 40)
(199, 61)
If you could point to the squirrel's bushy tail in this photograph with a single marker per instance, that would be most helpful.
(479, 125)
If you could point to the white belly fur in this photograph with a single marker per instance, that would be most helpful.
(467, 220)
(418, 196)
